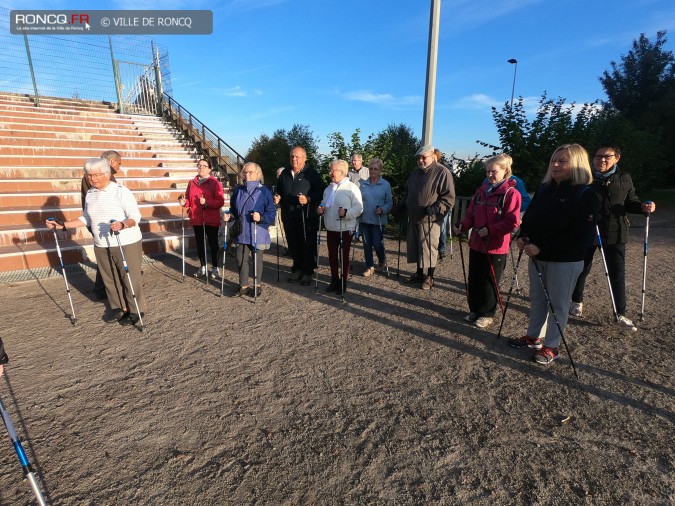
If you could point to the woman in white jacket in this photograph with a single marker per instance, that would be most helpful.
(341, 207)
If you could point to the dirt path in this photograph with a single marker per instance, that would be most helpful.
(389, 398)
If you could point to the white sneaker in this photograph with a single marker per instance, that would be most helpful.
(483, 322)
(625, 324)
(369, 272)
(201, 272)
(214, 273)
(577, 309)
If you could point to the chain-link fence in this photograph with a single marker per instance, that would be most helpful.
(72, 66)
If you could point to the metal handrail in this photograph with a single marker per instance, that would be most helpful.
(224, 157)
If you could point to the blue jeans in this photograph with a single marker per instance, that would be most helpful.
(442, 241)
(372, 238)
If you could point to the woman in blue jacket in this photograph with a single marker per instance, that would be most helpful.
(377, 202)
(252, 207)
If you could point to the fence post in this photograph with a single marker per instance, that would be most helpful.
(158, 78)
(32, 72)
(116, 75)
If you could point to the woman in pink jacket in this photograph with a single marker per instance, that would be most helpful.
(494, 212)
(204, 197)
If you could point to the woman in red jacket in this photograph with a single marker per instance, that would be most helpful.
(204, 197)
(494, 212)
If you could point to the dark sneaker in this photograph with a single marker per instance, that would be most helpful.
(535, 343)
(546, 355)
(471, 317)
(416, 278)
(132, 319)
(295, 277)
(334, 285)
(258, 292)
(306, 280)
(341, 288)
(116, 316)
(427, 283)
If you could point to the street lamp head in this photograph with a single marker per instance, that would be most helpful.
(512, 61)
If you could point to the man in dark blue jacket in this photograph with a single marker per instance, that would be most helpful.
(617, 198)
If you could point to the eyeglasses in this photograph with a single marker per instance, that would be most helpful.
(603, 157)
(202, 166)
(92, 175)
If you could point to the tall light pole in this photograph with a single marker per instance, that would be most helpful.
(432, 56)
(513, 61)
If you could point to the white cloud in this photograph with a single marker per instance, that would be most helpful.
(237, 91)
(383, 99)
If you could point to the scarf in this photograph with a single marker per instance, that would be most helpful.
(603, 176)
(333, 188)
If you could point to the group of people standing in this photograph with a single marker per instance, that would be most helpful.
(578, 208)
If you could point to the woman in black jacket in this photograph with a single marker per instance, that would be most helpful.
(617, 198)
(557, 229)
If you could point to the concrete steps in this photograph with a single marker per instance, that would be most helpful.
(42, 150)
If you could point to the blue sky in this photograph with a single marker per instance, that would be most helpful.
(341, 65)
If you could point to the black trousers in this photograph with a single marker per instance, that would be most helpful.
(212, 239)
(615, 255)
(302, 245)
(482, 289)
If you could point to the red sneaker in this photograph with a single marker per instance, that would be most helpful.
(526, 342)
(546, 355)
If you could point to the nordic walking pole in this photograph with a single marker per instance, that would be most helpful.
(449, 226)
(356, 239)
(340, 257)
(255, 260)
(513, 264)
(222, 278)
(23, 459)
(461, 256)
(604, 263)
(398, 257)
(182, 228)
(126, 269)
(206, 258)
(386, 264)
(276, 218)
(304, 228)
(494, 280)
(318, 253)
(508, 297)
(557, 322)
(429, 243)
(644, 265)
(63, 272)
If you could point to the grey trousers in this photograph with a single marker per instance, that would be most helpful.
(423, 242)
(115, 279)
(560, 279)
(243, 251)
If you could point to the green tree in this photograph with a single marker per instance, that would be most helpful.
(641, 88)
(270, 153)
(301, 135)
(396, 146)
(531, 143)
(273, 152)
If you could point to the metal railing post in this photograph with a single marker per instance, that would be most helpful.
(116, 75)
(32, 72)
